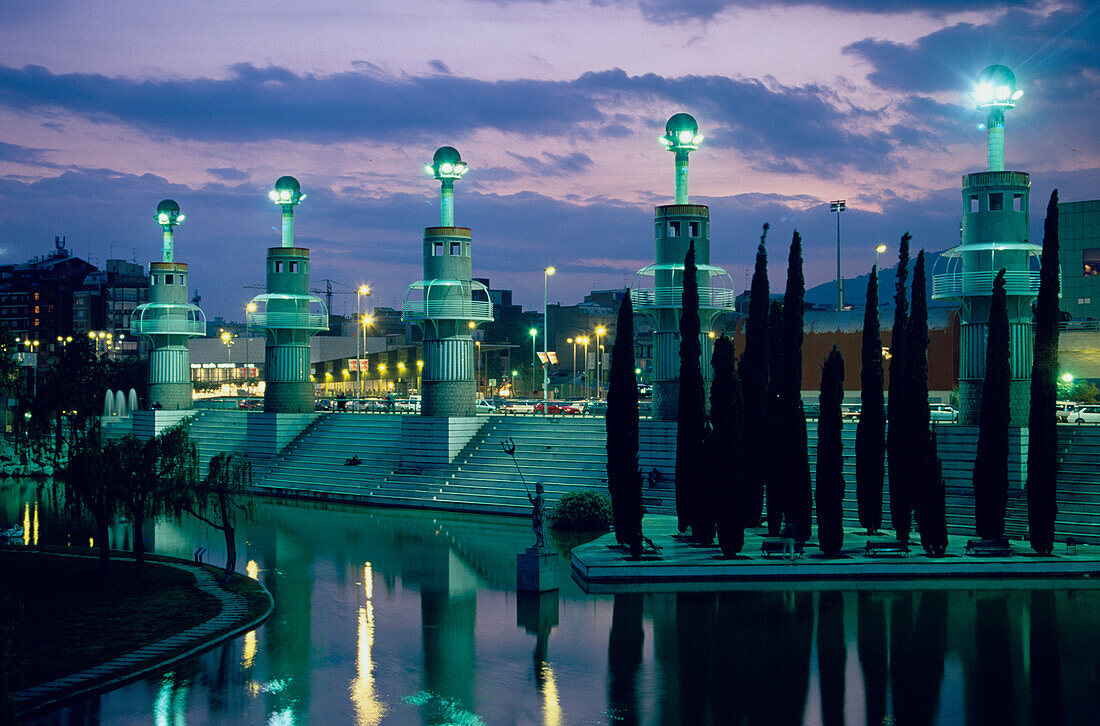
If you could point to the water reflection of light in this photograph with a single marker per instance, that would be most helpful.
(252, 569)
(249, 654)
(368, 581)
(368, 709)
(170, 706)
(551, 708)
(34, 539)
(26, 524)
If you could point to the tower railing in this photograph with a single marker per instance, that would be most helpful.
(310, 314)
(168, 319)
(449, 305)
(710, 298)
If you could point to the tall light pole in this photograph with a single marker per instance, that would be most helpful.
(601, 330)
(359, 328)
(545, 334)
(838, 206)
(249, 308)
(584, 341)
(878, 251)
(534, 356)
(573, 379)
(477, 370)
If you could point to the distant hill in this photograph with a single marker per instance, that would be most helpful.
(855, 289)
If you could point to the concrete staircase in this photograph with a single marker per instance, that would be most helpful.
(216, 431)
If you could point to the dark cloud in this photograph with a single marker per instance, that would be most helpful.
(554, 164)
(439, 66)
(228, 173)
(15, 154)
(615, 131)
(275, 103)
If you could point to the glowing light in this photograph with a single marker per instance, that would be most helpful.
(550, 270)
(274, 195)
(252, 569)
(1016, 96)
(368, 581)
(880, 249)
(284, 194)
(1003, 93)
(364, 290)
(551, 705)
(34, 537)
(248, 656)
(686, 137)
(368, 709)
(446, 167)
(162, 218)
(27, 524)
(1067, 377)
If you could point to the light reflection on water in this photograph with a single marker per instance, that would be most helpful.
(388, 616)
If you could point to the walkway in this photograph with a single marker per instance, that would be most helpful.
(151, 658)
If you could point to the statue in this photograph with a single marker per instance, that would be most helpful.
(536, 514)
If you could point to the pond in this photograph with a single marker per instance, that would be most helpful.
(411, 617)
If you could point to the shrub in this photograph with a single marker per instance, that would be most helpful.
(584, 511)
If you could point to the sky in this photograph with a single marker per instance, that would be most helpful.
(556, 105)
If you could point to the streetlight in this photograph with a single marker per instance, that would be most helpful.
(477, 370)
(534, 334)
(878, 251)
(573, 380)
(359, 327)
(584, 341)
(838, 206)
(601, 330)
(287, 193)
(545, 335)
(227, 341)
(248, 309)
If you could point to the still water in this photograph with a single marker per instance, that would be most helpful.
(401, 617)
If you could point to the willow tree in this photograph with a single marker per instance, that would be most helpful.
(221, 500)
(691, 412)
(624, 481)
(991, 461)
(830, 457)
(871, 429)
(1042, 452)
(754, 377)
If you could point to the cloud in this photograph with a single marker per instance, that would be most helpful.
(439, 66)
(25, 155)
(228, 173)
(554, 164)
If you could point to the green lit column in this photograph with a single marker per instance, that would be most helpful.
(288, 314)
(676, 227)
(996, 234)
(447, 304)
(168, 320)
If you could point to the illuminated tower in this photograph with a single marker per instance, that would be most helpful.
(447, 304)
(167, 321)
(288, 314)
(995, 234)
(676, 227)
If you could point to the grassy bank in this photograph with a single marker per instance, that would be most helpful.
(70, 617)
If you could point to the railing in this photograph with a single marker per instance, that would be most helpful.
(1083, 325)
(167, 326)
(710, 298)
(288, 321)
(447, 309)
(960, 284)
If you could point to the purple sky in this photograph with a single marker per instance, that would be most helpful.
(106, 108)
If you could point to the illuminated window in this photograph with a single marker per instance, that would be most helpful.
(1091, 262)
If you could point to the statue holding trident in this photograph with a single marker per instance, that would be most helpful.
(537, 501)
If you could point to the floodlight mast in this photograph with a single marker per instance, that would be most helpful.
(447, 166)
(287, 194)
(996, 93)
(168, 216)
(681, 138)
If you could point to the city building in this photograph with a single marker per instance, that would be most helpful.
(1079, 255)
(36, 297)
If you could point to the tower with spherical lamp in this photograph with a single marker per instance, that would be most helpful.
(447, 304)
(287, 313)
(658, 288)
(995, 234)
(168, 320)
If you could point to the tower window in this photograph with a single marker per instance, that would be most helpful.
(292, 266)
(437, 249)
(997, 202)
(973, 205)
(456, 248)
(183, 280)
(1017, 202)
(168, 279)
(693, 229)
(156, 279)
(278, 265)
(673, 229)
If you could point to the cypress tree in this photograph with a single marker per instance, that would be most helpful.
(797, 487)
(896, 432)
(1042, 452)
(624, 481)
(754, 376)
(922, 472)
(731, 500)
(774, 471)
(991, 462)
(830, 457)
(691, 412)
(871, 430)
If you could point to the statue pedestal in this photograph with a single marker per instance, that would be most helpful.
(536, 570)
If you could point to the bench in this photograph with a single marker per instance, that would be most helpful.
(988, 547)
(890, 548)
(783, 546)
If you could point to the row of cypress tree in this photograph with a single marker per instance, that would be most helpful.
(753, 448)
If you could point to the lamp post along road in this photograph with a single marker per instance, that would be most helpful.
(534, 357)
(573, 379)
(599, 359)
(838, 206)
(584, 341)
(545, 335)
(359, 328)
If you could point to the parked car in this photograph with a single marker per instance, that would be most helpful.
(250, 404)
(555, 408)
(484, 406)
(850, 411)
(594, 408)
(518, 407)
(1063, 409)
(322, 404)
(943, 412)
(1085, 414)
(408, 405)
